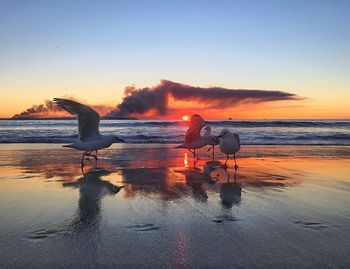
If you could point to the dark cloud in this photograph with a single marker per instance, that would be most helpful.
(139, 101)
(49, 110)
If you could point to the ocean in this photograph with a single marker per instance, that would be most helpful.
(251, 132)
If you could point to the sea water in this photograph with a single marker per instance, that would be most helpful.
(251, 132)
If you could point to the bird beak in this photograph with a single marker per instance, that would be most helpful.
(219, 136)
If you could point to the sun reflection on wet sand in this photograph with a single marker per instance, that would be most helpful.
(180, 252)
(185, 159)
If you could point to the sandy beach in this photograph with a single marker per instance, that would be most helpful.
(151, 206)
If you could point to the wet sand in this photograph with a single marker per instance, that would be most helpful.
(151, 206)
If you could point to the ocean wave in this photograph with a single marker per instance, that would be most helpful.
(252, 139)
(38, 139)
(324, 137)
(165, 123)
(254, 124)
(299, 132)
(228, 123)
(140, 138)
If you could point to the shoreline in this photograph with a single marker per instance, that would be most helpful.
(246, 150)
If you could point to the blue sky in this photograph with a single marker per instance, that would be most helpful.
(93, 49)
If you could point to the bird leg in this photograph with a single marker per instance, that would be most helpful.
(195, 155)
(195, 160)
(226, 160)
(234, 157)
(92, 155)
(212, 148)
(82, 170)
(95, 156)
(82, 159)
(88, 154)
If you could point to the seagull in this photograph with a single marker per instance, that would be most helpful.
(90, 138)
(193, 139)
(213, 140)
(229, 144)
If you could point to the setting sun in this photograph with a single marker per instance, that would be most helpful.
(185, 118)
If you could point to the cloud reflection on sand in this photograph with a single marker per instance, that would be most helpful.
(170, 212)
(165, 172)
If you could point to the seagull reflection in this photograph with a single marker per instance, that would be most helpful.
(196, 178)
(230, 192)
(92, 189)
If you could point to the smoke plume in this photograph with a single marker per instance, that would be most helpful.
(50, 110)
(140, 101)
(156, 99)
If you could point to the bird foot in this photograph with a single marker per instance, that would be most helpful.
(92, 155)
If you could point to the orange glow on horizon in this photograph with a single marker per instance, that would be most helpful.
(331, 108)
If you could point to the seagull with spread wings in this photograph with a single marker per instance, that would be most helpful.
(90, 138)
(193, 139)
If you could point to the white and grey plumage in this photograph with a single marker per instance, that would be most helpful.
(90, 138)
(229, 144)
(212, 139)
(193, 139)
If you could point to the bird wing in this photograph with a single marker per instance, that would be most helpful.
(194, 131)
(237, 138)
(88, 118)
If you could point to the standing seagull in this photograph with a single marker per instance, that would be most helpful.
(90, 138)
(213, 140)
(193, 139)
(229, 144)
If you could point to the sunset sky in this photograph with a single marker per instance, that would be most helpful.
(92, 50)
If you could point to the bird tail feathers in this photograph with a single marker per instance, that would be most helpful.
(181, 146)
(68, 146)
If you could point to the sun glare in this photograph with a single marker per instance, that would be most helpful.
(185, 118)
